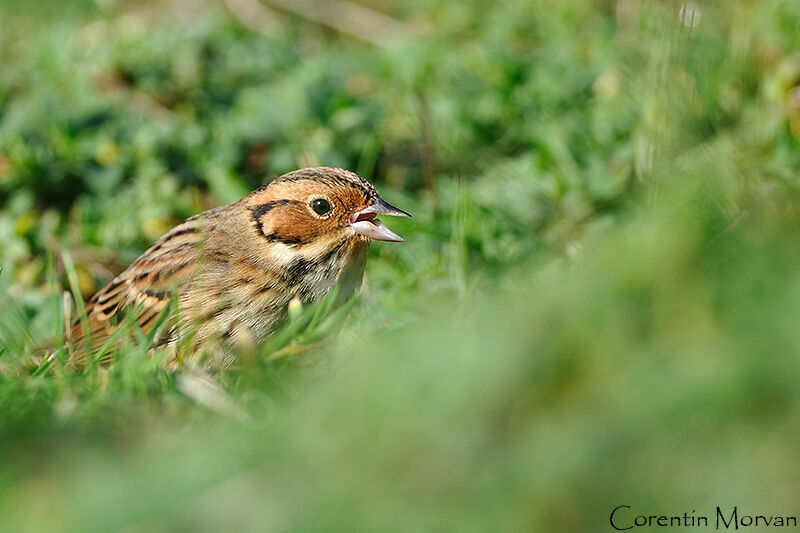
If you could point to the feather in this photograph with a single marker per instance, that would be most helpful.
(144, 289)
(234, 269)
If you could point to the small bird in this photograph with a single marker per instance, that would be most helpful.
(233, 270)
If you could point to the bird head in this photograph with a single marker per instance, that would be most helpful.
(320, 207)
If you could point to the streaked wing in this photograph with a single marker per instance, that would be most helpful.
(145, 288)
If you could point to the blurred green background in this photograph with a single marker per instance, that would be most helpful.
(596, 304)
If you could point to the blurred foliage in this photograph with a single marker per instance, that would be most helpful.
(596, 303)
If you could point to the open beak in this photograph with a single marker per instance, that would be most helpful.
(365, 223)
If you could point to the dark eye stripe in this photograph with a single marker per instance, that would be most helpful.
(258, 211)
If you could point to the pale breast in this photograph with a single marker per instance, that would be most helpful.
(247, 298)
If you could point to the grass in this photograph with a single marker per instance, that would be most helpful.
(595, 304)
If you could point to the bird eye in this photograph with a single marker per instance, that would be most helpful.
(321, 206)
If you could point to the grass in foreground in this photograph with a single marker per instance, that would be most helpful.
(595, 304)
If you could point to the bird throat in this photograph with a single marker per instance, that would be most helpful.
(313, 277)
